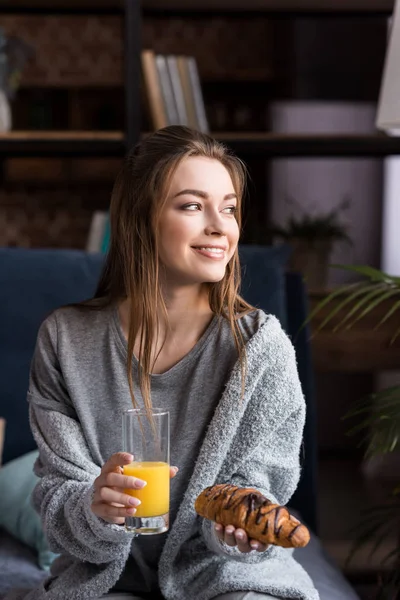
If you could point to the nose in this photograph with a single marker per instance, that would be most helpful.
(215, 225)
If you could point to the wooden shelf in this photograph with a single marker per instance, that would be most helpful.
(340, 145)
(248, 144)
(281, 6)
(62, 143)
(187, 6)
(62, 6)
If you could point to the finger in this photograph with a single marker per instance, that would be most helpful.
(242, 541)
(111, 513)
(116, 460)
(109, 496)
(118, 480)
(229, 537)
(173, 471)
(255, 545)
(219, 530)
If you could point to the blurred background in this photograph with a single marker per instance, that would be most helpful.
(292, 86)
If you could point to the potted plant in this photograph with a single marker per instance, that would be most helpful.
(312, 237)
(378, 415)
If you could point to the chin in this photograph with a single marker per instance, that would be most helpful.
(214, 277)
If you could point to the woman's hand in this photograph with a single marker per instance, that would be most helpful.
(238, 537)
(109, 500)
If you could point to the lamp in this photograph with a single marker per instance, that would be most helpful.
(388, 114)
(388, 120)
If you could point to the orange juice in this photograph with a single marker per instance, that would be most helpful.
(154, 496)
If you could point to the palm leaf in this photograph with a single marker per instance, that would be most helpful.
(374, 304)
(380, 414)
(375, 275)
(327, 299)
(385, 397)
(348, 299)
(376, 290)
(393, 309)
(376, 525)
(390, 586)
(396, 335)
(392, 554)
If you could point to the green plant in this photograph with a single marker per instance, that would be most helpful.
(314, 227)
(378, 414)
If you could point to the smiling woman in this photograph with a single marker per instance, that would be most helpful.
(198, 230)
(167, 329)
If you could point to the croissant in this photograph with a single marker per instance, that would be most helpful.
(248, 509)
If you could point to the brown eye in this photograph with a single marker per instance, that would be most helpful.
(192, 206)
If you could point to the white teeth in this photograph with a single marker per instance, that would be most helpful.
(213, 250)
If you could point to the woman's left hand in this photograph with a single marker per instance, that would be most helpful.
(238, 537)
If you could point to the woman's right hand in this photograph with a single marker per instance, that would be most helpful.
(110, 502)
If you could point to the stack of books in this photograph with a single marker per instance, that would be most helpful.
(173, 91)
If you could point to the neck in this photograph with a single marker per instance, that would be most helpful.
(186, 307)
(188, 312)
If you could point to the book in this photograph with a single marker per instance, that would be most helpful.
(177, 89)
(98, 237)
(187, 92)
(173, 91)
(153, 89)
(201, 117)
(167, 92)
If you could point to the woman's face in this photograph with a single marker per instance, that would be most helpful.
(198, 232)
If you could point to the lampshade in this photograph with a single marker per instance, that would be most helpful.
(388, 115)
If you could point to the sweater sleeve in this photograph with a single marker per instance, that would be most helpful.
(65, 467)
(273, 465)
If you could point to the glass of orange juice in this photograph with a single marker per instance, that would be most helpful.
(146, 436)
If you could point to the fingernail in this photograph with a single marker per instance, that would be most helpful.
(254, 546)
(134, 501)
(128, 456)
(140, 484)
(131, 511)
(218, 528)
(239, 536)
(176, 469)
(229, 530)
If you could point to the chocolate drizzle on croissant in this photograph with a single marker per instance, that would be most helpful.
(248, 509)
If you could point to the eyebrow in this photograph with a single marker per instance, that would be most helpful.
(201, 194)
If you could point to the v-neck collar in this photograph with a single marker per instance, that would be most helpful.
(177, 367)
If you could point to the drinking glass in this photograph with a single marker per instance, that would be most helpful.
(148, 441)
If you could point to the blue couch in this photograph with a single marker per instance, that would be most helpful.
(34, 282)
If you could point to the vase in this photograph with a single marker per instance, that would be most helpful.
(311, 258)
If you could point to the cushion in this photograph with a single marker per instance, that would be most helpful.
(263, 278)
(19, 567)
(32, 284)
(17, 515)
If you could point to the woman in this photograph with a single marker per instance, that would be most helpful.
(167, 301)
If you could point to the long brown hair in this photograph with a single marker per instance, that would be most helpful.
(131, 267)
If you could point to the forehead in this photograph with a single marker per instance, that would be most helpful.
(204, 174)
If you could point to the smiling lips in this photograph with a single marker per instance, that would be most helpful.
(213, 252)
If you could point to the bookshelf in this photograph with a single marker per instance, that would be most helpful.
(249, 144)
(68, 143)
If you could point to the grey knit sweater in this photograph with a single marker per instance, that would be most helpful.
(254, 443)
